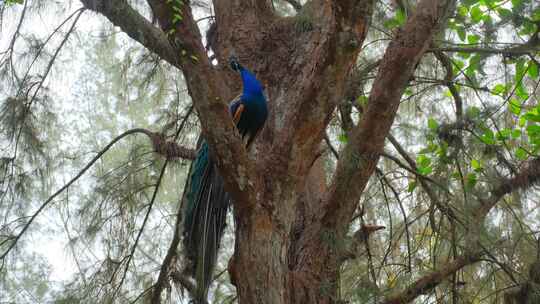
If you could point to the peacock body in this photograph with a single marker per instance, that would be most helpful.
(205, 200)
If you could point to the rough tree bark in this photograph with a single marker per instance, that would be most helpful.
(288, 224)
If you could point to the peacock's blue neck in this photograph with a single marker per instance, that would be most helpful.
(252, 88)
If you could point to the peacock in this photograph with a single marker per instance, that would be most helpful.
(205, 199)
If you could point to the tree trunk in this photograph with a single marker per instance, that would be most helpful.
(298, 264)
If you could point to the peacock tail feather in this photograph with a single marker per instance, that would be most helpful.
(205, 212)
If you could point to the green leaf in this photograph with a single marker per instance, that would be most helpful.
(504, 134)
(458, 66)
(475, 164)
(522, 121)
(11, 2)
(425, 170)
(533, 130)
(488, 137)
(499, 89)
(423, 161)
(533, 69)
(442, 150)
(536, 15)
(517, 3)
(464, 55)
(521, 92)
(504, 13)
(471, 180)
(463, 11)
(474, 66)
(432, 124)
(401, 17)
(514, 106)
(532, 116)
(516, 133)
(343, 138)
(520, 70)
(461, 33)
(476, 14)
(363, 100)
(521, 154)
(424, 164)
(177, 17)
(473, 39)
(528, 27)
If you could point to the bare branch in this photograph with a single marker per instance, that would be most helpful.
(428, 282)
(447, 63)
(360, 156)
(422, 179)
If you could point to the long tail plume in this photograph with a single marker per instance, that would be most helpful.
(205, 211)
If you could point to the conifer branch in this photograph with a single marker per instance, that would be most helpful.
(143, 225)
(15, 239)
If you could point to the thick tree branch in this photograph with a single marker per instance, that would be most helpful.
(428, 282)
(121, 14)
(307, 109)
(360, 156)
